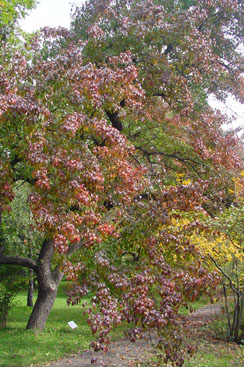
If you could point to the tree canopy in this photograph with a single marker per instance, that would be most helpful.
(109, 125)
(10, 12)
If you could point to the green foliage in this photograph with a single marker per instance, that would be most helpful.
(20, 235)
(10, 12)
(11, 282)
(14, 9)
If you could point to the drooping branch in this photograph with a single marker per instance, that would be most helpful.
(137, 161)
(18, 260)
(189, 161)
(173, 155)
(235, 245)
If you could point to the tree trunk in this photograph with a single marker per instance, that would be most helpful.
(48, 282)
(31, 281)
(227, 309)
(236, 319)
(30, 290)
(42, 308)
(3, 320)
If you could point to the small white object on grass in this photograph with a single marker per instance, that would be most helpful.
(72, 324)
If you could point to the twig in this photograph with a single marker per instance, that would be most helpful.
(226, 275)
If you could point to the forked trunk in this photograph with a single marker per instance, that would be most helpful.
(48, 282)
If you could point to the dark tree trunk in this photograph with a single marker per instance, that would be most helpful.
(227, 309)
(48, 282)
(30, 291)
(31, 282)
(42, 308)
(3, 321)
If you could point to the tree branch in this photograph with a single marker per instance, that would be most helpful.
(18, 260)
(168, 49)
(115, 120)
(75, 247)
(225, 275)
(191, 162)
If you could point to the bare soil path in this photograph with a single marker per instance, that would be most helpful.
(123, 353)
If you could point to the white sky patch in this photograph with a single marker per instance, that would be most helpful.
(232, 108)
(51, 13)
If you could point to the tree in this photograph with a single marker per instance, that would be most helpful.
(11, 282)
(104, 128)
(179, 131)
(226, 255)
(11, 12)
(66, 170)
(219, 239)
(18, 231)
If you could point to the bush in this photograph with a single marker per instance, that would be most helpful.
(12, 280)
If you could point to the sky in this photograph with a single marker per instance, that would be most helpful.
(50, 13)
(55, 13)
(233, 109)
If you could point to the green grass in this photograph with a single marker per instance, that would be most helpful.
(209, 359)
(26, 348)
(217, 354)
(194, 306)
(214, 349)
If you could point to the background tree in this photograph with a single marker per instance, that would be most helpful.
(219, 239)
(226, 254)
(19, 234)
(10, 12)
(11, 282)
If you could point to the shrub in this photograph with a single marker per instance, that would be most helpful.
(12, 280)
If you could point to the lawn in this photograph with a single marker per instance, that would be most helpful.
(213, 347)
(20, 347)
(26, 348)
(216, 353)
(194, 306)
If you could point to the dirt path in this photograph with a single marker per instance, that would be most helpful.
(205, 313)
(123, 353)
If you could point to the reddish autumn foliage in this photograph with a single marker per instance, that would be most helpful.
(115, 137)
